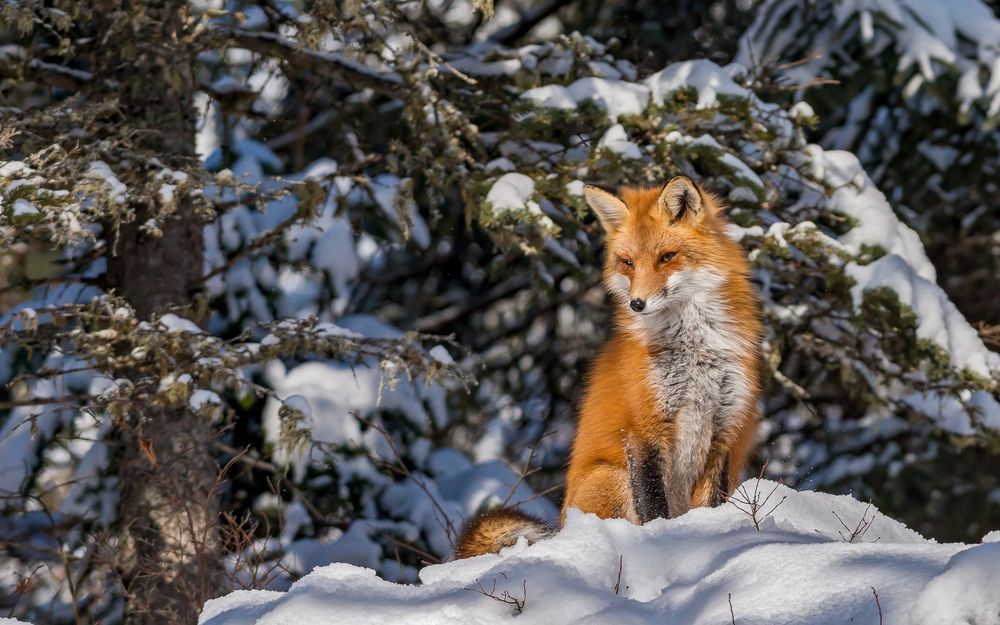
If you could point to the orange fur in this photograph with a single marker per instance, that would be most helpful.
(619, 407)
(492, 531)
(659, 231)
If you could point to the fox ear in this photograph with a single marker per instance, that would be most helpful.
(681, 197)
(611, 211)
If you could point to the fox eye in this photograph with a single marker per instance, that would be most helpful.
(627, 261)
(667, 257)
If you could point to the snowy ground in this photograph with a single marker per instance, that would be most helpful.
(815, 559)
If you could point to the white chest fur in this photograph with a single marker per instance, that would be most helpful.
(699, 381)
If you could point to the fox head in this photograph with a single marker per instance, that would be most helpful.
(665, 244)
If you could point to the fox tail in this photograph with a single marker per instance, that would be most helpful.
(493, 530)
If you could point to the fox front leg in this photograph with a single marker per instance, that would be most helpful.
(712, 488)
(646, 466)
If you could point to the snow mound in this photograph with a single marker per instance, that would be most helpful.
(707, 78)
(905, 268)
(616, 140)
(940, 320)
(857, 196)
(333, 395)
(617, 97)
(705, 567)
(511, 192)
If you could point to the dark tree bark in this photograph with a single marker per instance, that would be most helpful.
(169, 558)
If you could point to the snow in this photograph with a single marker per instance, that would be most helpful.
(23, 431)
(336, 392)
(947, 411)
(319, 169)
(575, 188)
(332, 396)
(328, 240)
(617, 97)
(616, 140)
(966, 592)
(905, 268)
(9, 169)
(253, 156)
(939, 320)
(476, 487)
(942, 156)
(440, 354)
(328, 329)
(707, 567)
(987, 409)
(683, 570)
(173, 323)
(801, 110)
(353, 546)
(24, 207)
(203, 397)
(932, 38)
(511, 192)
(228, 84)
(99, 170)
(737, 167)
(89, 495)
(386, 190)
(500, 164)
(710, 80)
(28, 428)
(167, 189)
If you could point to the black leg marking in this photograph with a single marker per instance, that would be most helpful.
(722, 485)
(645, 468)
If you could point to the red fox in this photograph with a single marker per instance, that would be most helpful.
(670, 412)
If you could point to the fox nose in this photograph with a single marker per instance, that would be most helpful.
(637, 304)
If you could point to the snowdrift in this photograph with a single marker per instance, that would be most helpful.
(794, 557)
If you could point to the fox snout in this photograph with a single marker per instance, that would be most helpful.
(648, 302)
(645, 290)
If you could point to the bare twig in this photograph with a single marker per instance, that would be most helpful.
(815, 55)
(245, 457)
(732, 614)
(539, 494)
(328, 64)
(877, 605)
(262, 241)
(441, 318)
(859, 530)
(50, 74)
(37, 282)
(261, 567)
(39, 401)
(618, 584)
(812, 83)
(989, 333)
(317, 122)
(752, 504)
(505, 596)
(427, 557)
(400, 467)
(528, 21)
(527, 470)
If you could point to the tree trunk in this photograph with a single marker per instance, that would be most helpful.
(169, 551)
